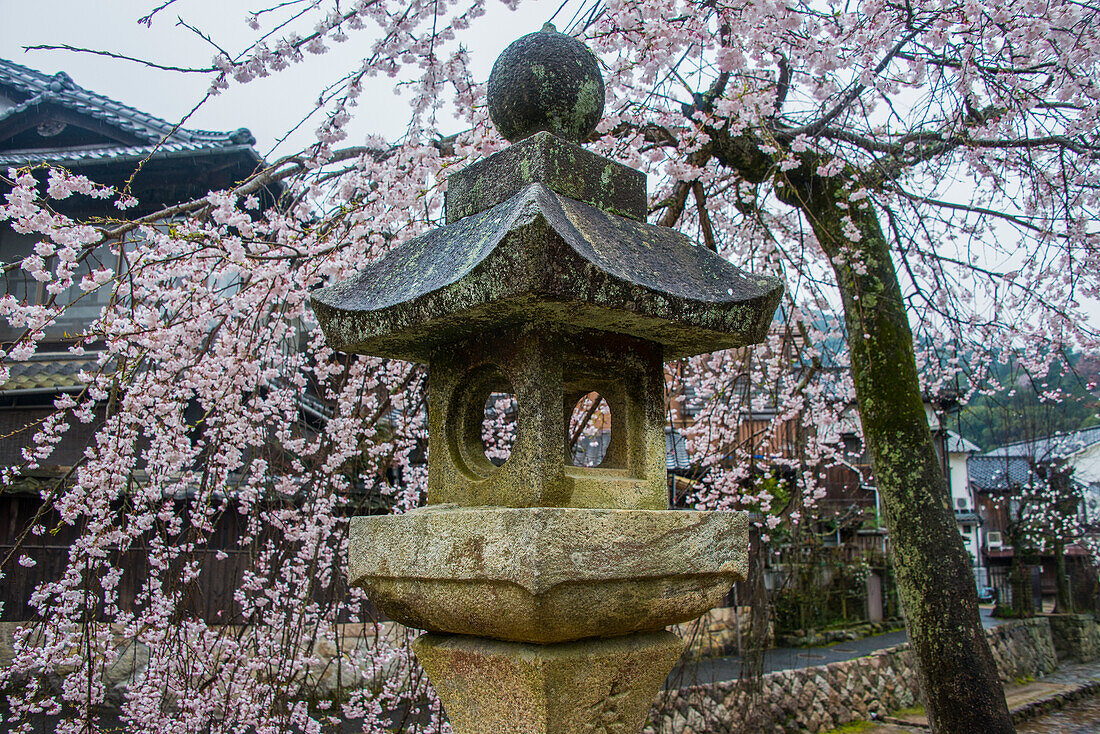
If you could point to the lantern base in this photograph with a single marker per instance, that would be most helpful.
(601, 685)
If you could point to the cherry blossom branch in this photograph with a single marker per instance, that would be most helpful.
(854, 91)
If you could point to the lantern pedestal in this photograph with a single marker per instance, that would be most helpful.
(546, 574)
(598, 686)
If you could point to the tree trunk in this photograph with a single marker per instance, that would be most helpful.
(958, 676)
(1063, 601)
(749, 687)
(1022, 603)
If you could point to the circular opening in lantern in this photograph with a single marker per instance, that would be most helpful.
(480, 424)
(498, 427)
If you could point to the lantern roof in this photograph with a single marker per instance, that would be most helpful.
(546, 232)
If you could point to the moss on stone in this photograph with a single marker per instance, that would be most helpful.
(543, 258)
(564, 167)
(507, 688)
(546, 81)
(854, 727)
(958, 674)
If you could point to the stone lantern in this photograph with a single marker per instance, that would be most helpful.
(545, 587)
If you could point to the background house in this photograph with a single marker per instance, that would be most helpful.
(1005, 479)
(48, 120)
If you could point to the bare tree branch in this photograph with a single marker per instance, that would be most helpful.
(122, 57)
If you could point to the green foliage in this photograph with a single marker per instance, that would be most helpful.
(1017, 411)
(853, 728)
(825, 588)
(910, 711)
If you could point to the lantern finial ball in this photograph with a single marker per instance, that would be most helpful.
(546, 81)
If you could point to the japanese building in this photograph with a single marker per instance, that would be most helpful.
(49, 120)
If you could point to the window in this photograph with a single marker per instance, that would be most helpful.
(82, 308)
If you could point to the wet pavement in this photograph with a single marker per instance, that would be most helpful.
(1066, 701)
(787, 658)
(1079, 717)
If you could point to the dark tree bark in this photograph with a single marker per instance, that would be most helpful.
(1063, 600)
(1023, 605)
(959, 681)
(958, 677)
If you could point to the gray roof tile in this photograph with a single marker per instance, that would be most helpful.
(49, 371)
(60, 89)
(115, 153)
(1050, 447)
(589, 450)
(956, 444)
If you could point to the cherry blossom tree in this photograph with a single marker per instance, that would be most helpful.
(1060, 520)
(1044, 508)
(926, 170)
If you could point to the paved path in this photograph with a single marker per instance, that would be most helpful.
(785, 658)
(1030, 702)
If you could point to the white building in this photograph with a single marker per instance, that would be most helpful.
(962, 499)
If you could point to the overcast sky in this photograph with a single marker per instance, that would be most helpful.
(268, 107)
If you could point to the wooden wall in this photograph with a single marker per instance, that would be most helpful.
(209, 597)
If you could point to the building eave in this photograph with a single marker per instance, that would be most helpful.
(89, 157)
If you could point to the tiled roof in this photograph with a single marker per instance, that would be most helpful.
(998, 473)
(676, 455)
(1002, 473)
(112, 154)
(1000, 468)
(34, 88)
(588, 451)
(1049, 447)
(49, 372)
(956, 444)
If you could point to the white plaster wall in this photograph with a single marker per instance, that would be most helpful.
(960, 480)
(933, 419)
(970, 540)
(1086, 464)
(1092, 503)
